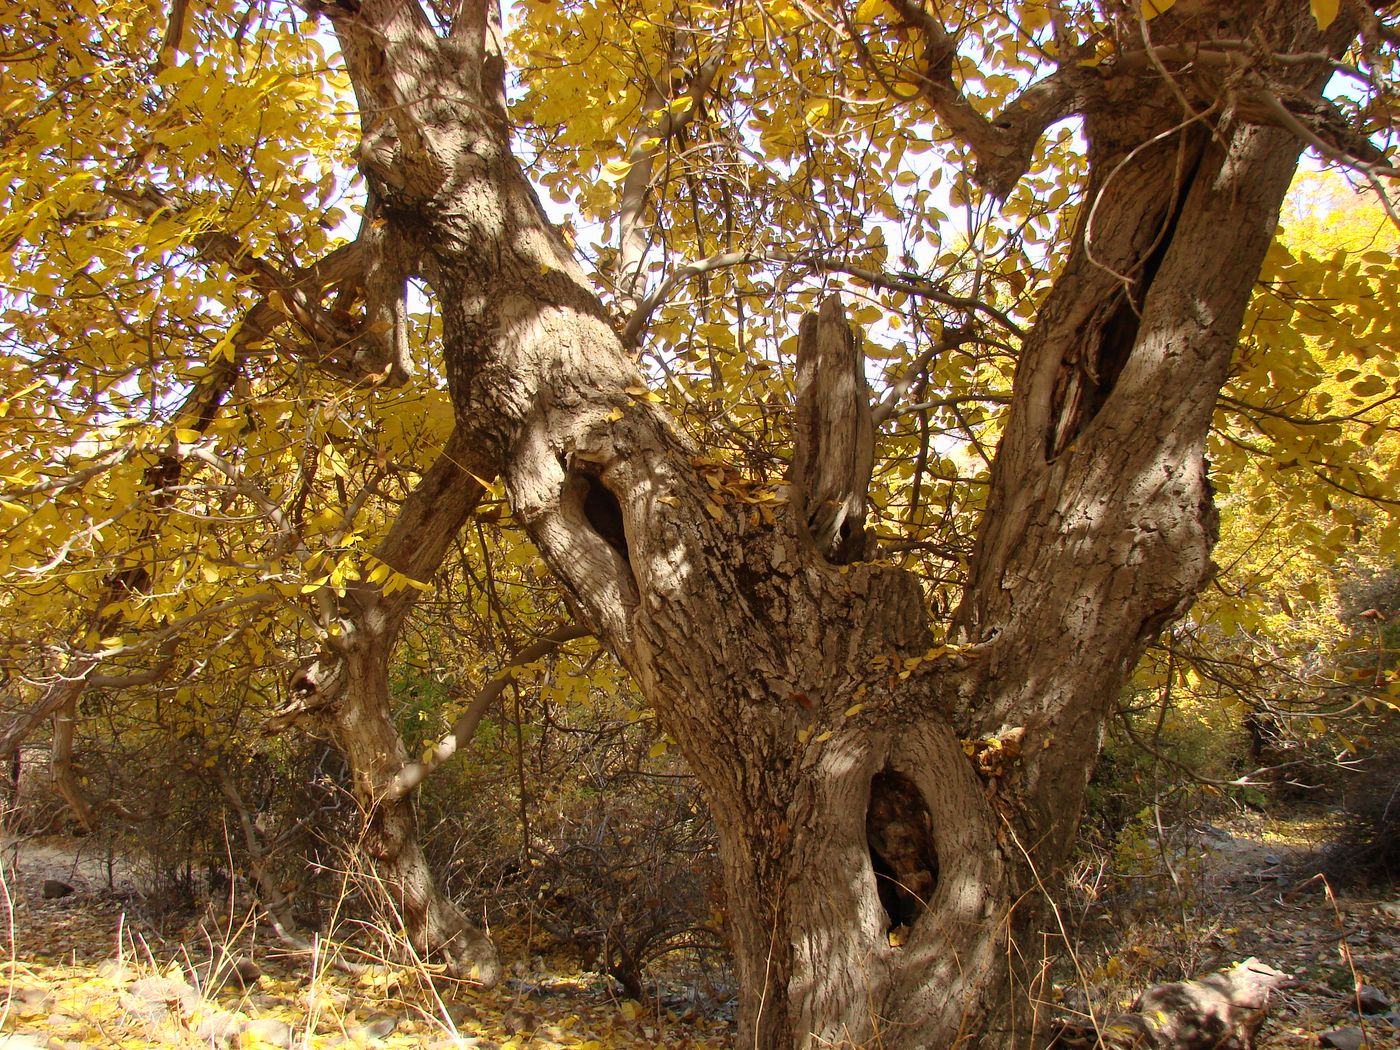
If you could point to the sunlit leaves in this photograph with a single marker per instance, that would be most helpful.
(1325, 11)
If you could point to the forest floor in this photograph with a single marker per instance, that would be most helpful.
(92, 968)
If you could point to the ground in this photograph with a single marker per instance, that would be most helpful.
(1249, 886)
(94, 968)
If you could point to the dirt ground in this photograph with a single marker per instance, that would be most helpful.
(1251, 887)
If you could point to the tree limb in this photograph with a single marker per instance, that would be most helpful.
(415, 773)
(910, 284)
(1003, 144)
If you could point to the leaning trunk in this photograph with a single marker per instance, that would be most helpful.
(345, 691)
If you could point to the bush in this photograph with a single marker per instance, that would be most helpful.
(1368, 846)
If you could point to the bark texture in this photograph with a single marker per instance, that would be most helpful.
(810, 698)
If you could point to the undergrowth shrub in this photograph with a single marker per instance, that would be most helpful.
(629, 878)
(1367, 848)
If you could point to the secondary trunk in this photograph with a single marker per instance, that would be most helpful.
(345, 691)
(397, 878)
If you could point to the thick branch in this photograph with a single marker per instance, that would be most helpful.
(1004, 143)
(417, 541)
(373, 350)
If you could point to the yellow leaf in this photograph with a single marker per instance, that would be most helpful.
(1324, 11)
(714, 510)
(187, 437)
(852, 710)
(1153, 8)
(616, 170)
(613, 416)
(657, 750)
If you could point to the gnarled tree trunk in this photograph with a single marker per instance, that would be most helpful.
(813, 699)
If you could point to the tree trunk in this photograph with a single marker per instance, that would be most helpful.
(398, 873)
(829, 729)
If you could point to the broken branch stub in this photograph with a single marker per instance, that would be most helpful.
(834, 451)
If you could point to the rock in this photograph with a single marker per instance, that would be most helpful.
(153, 999)
(1221, 1010)
(1213, 1010)
(380, 1026)
(54, 889)
(218, 1026)
(19, 1042)
(459, 1013)
(517, 1020)
(1372, 1000)
(30, 1002)
(241, 973)
(1343, 1039)
(271, 1030)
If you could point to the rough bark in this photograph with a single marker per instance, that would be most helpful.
(799, 690)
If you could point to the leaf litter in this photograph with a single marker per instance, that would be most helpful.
(84, 970)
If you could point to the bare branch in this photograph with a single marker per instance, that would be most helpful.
(646, 145)
(886, 408)
(910, 284)
(415, 773)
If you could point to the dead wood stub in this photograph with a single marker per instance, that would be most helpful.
(835, 434)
